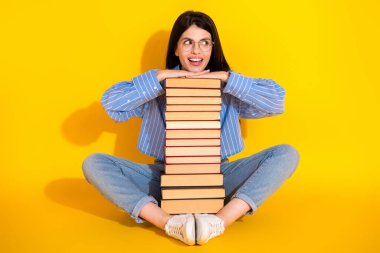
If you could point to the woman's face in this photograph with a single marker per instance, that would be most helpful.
(194, 49)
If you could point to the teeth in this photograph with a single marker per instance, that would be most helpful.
(195, 59)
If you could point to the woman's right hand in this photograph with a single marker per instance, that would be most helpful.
(170, 73)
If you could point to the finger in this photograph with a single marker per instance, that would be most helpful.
(202, 76)
(180, 73)
(204, 71)
(200, 73)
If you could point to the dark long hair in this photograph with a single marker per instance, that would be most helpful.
(217, 61)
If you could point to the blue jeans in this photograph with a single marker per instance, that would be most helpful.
(131, 185)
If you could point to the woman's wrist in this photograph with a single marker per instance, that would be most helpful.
(227, 74)
(159, 75)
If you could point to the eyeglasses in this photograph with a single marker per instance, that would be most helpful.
(204, 45)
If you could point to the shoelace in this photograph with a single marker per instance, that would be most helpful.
(215, 229)
(175, 230)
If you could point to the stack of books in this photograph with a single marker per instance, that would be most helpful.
(192, 182)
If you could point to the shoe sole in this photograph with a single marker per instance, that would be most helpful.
(190, 230)
(198, 235)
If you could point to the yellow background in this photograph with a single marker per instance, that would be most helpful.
(58, 57)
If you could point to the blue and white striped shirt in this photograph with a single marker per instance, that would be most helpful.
(242, 96)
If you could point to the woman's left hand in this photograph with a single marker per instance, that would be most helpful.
(221, 75)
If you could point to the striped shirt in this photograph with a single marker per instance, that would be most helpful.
(144, 97)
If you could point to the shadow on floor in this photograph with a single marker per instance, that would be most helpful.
(78, 194)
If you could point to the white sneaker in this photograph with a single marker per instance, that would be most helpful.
(182, 227)
(208, 226)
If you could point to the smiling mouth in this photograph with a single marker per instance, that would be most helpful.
(195, 60)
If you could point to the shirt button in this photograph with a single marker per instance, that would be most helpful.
(239, 96)
(155, 87)
(144, 92)
(129, 100)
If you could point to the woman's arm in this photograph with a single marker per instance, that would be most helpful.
(259, 97)
(256, 97)
(126, 99)
(170, 73)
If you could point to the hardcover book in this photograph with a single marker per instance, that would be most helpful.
(204, 83)
(192, 133)
(177, 206)
(192, 180)
(193, 193)
(193, 108)
(202, 168)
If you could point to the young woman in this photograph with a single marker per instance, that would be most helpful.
(194, 51)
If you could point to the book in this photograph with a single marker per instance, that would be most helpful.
(192, 159)
(177, 92)
(192, 83)
(192, 115)
(177, 206)
(192, 142)
(193, 100)
(192, 151)
(193, 108)
(204, 168)
(193, 124)
(192, 193)
(192, 180)
(193, 133)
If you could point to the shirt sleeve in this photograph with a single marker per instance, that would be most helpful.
(257, 97)
(127, 98)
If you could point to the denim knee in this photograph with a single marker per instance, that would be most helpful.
(91, 163)
(291, 154)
